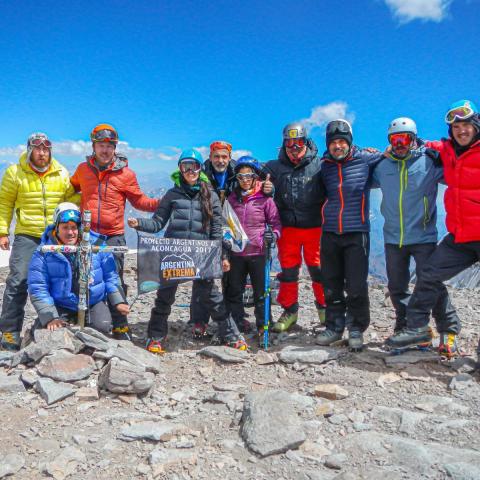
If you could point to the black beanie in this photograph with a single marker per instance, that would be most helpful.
(339, 129)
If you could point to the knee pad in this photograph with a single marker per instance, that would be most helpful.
(289, 275)
(315, 273)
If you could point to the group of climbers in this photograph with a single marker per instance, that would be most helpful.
(315, 207)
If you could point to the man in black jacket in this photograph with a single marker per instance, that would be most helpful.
(299, 195)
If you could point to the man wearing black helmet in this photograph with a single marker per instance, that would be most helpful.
(345, 245)
(299, 195)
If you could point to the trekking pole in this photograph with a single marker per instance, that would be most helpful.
(266, 294)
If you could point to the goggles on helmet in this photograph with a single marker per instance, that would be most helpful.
(295, 142)
(400, 139)
(190, 166)
(220, 145)
(459, 114)
(37, 142)
(105, 136)
(69, 216)
(246, 176)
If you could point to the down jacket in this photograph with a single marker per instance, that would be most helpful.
(33, 197)
(105, 192)
(462, 197)
(50, 279)
(184, 214)
(299, 191)
(347, 183)
(254, 212)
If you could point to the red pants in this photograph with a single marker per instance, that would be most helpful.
(290, 246)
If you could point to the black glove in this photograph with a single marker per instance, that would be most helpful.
(269, 237)
(227, 246)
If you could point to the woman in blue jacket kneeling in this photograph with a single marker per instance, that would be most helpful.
(53, 280)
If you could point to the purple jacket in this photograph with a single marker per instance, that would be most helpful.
(254, 212)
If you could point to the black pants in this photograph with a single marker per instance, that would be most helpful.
(118, 320)
(344, 260)
(98, 317)
(398, 273)
(209, 295)
(448, 260)
(240, 267)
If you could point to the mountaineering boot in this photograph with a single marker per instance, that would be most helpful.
(236, 341)
(327, 337)
(10, 341)
(320, 312)
(122, 333)
(154, 345)
(244, 326)
(400, 324)
(286, 320)
(355, 340)
(410, 337)
(199, 330)
(448, 345)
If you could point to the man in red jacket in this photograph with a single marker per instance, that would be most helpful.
(106, 184)
(460, 155)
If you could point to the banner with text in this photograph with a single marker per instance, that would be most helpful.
(162, 262)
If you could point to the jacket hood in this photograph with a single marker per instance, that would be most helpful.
(175, 176)
(119, 161)
(310, 154)
(24, 164)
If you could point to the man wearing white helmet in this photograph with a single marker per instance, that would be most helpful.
(53, 277)
(31, 189)
(408, 179)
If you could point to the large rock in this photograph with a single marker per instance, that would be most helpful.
(156, 431)
(92, 341)
(52, 391)
(6, 358)
(315, 355)
(405, 420)
(119, 376)
(462, 471)
(11, 384)
(61, 339)
(270, 423)
(65, 464)
(225, 354)
(10, 464)
(132, 354)
(64, 366)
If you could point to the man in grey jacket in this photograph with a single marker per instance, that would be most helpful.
(408, 179)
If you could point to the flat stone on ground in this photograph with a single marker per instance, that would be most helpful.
(10, 464)
(52, 391)
(315, 355)
(64, 366)
(330, 391)
(119, 376)
(156, 431)
(225, 354)
(11, 384)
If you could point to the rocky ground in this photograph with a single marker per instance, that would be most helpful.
(298, 412)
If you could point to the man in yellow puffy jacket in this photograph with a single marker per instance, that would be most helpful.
(32, 189)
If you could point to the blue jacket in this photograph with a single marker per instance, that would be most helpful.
(409, 194)
(50, 279)
(347, 183)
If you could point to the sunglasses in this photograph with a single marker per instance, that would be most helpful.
(37, 142)
(69, 216)
(400, 140)
(460, 113)
(295, 142)
(246, 176)
(192, 167)
(105, 136)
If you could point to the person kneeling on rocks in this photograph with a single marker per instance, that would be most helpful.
(53, 277)
(192, 210)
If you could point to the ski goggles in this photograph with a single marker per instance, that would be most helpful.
(105, 136)
(245, 176)
(294, 142)
(37, 142)
(220, 145)
(190, 166)
(459, 114)
(400, 140)
(69, 216)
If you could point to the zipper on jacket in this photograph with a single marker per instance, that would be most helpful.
(323, 211)
(99, 201)
(403, 186)
(363, 207)
(426, 218)
(340, 192)
(44, 202)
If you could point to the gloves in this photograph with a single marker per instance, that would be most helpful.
(269, 237)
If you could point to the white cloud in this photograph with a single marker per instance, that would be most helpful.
(322, 114)
(80, 149)
(407, 10)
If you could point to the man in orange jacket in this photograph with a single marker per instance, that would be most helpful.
(106, 183)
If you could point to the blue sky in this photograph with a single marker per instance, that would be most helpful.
(175, 74)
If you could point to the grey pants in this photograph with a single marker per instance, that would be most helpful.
(16, 288)
(98, 317)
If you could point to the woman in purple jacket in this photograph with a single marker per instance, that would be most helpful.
(255, 211)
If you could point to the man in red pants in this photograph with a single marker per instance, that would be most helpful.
(299, 194)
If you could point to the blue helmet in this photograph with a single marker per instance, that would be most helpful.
(191, 154)
(461, 111)
(247, 161)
